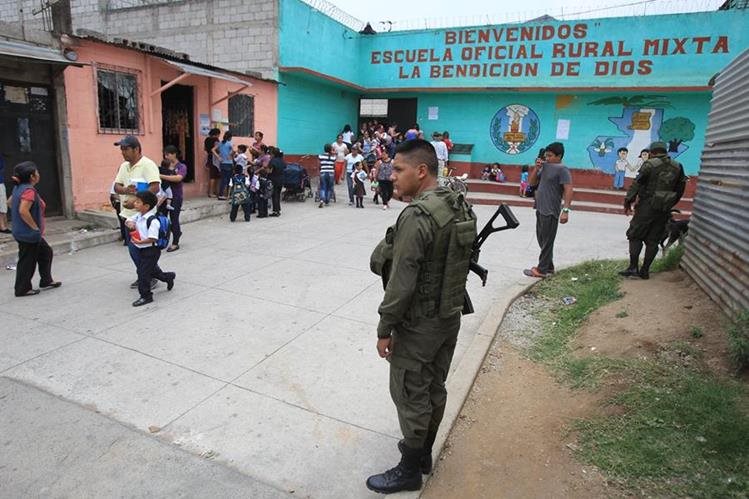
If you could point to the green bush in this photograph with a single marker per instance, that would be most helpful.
(671, 259)
(738, 340)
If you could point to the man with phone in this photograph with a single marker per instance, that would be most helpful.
(552, 183)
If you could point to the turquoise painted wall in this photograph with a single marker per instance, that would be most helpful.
(310, 39)
(468, 117)
(311, 113)
(672, 50)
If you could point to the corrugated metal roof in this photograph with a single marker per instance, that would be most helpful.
(195, 70)
(717, 250)
(26, 50)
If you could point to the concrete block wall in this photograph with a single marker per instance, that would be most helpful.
(240, 35)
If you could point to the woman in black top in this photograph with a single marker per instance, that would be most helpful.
(276, 166)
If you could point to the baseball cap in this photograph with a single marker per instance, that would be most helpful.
(128, 141)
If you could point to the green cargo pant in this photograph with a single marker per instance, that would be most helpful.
(647, 225)
(421, 359)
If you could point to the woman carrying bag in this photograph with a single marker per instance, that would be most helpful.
(28, 231)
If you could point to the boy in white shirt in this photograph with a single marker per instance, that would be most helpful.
(143, 238)
(241, 159)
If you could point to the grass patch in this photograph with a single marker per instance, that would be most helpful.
(622, 314)
(738, 340)
(670, 261)
(593, 284)
(677, 431)
(683, 433)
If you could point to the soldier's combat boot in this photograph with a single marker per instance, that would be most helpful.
(634, 257)
(405, 476)
(651, 251)
(425, 462)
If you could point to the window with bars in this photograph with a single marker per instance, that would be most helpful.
(242, 115)
(118, 101)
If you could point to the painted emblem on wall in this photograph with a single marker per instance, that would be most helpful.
(514, 129)
(641, 123)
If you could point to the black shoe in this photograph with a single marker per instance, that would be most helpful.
(275, 214)
(425, 462)
(644, 274)
(629, 272)
(405, 476)
(6, 231)
(134, 285)
(50, 285)
(170, 282)
(142, 301)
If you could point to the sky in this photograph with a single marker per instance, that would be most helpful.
(443, 13)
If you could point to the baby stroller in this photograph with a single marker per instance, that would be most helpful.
(296, 183)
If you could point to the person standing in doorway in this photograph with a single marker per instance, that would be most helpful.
(176, 177)
(553, 183)
(212, 161)
(28, 231)
(423, 261)
(348, 136)
(136, 173)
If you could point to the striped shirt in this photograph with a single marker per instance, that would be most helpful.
(327, 163)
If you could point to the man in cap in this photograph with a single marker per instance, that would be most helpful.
(656, 190)
(136, 171)
(423, 261)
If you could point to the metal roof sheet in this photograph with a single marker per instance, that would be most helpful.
(196, 70)
(26, 50)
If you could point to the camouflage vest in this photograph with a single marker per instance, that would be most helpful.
(662, 185)
(442, 277)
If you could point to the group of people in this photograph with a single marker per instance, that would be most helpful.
(249, 176)
(355, 158)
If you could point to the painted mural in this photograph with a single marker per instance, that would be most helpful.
(514, 129)
(641, 123)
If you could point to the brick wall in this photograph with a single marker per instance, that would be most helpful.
(240, 35)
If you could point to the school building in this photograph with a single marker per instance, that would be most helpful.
(596, 85)
(503, 91)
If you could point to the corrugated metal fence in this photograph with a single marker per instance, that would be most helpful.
(717, 249)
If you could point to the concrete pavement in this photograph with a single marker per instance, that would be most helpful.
(261, 360)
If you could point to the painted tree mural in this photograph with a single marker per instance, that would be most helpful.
(675, 131)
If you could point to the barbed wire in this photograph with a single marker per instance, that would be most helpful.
(619, 9)
(336, 13)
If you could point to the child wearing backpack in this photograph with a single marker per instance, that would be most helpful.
(240, 194)
(149, 234)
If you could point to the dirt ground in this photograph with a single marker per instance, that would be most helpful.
(512, 437)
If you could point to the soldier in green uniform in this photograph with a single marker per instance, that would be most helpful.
(424, 262)
(656, 190)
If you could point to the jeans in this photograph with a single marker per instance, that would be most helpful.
(546, 233)
(226, 172)
(618, 180)
(326, 187)
(174, 219)
(31, 256)
(350, 186)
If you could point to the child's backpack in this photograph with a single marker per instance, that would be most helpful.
(239, 192)
(165, 228)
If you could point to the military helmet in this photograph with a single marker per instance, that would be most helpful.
(658, 147)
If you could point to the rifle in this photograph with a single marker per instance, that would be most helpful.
(510, 223)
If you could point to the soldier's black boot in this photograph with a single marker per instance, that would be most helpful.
(651, 251)
(634, 256)
(405, 476)
(425, 462)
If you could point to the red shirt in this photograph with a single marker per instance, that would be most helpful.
(448, 143)
(31, 196)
